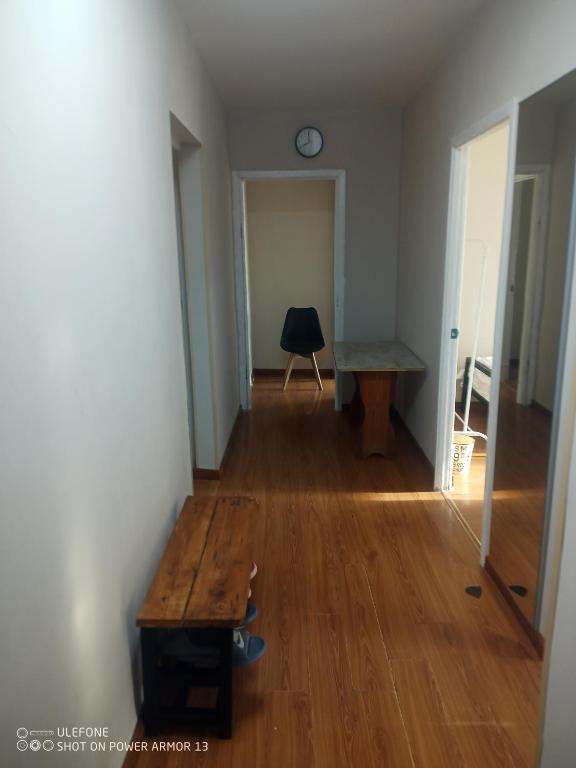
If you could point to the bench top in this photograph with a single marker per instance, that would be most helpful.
(203, 577)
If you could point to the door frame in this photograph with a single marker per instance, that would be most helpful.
(189, 157)
(239, 179)
(451, 304)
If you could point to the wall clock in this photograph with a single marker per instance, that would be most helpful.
(309, 141)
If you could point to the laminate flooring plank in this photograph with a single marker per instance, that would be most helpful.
(432, 744)
(367, 655)
(487, 745)
(389, 742)
(283, 624)
(339, 723)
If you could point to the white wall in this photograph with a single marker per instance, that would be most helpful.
(561, 183)
(547, 134)
(95, 455)
(290, 248)
(514, 49)
(367, 144)
(487, 166)
(536, 132)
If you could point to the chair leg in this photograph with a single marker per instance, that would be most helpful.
(316, 371)
(288, 370)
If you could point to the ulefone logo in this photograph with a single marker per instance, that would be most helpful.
(34, 740)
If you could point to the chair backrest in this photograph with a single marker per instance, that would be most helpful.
(302, 333)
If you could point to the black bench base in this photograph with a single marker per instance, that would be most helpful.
(158, 678)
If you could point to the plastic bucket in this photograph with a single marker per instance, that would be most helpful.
(462, 450)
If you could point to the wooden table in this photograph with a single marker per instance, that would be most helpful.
(375, 366)
(201, 582)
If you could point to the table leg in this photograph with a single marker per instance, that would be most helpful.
(376, 389)
(356, 405)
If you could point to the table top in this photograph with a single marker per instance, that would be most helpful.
(375, 356)
(203, 577)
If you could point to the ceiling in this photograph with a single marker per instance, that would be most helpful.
(283, 53)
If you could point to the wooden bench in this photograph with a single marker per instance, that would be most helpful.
(201, 582)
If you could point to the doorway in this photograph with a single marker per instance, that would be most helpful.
(477, 248)
(526, 280)
(259, 347)
(185, 313)
(193, 293)
(290, 255)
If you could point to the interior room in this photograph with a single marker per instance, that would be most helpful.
(290, 259)
(262, 264)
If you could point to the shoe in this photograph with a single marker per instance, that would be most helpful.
(246, 648)
(251, 613)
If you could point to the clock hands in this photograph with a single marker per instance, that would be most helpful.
(309, 142)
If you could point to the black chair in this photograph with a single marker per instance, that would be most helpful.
(302, 337)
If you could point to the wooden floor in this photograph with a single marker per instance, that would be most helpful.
(376, 655)
(518, 502)
(468, 490)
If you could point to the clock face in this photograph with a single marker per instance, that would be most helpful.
(309, 142)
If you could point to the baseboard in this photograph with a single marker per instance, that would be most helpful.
(533, 635)
(230, 442)
(308, 373)
(198, 473)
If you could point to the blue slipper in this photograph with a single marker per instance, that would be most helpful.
(246, 648)
(251, 613)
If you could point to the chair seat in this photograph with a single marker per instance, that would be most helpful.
(303, 349)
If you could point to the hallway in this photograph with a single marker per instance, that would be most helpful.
(376, 655)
